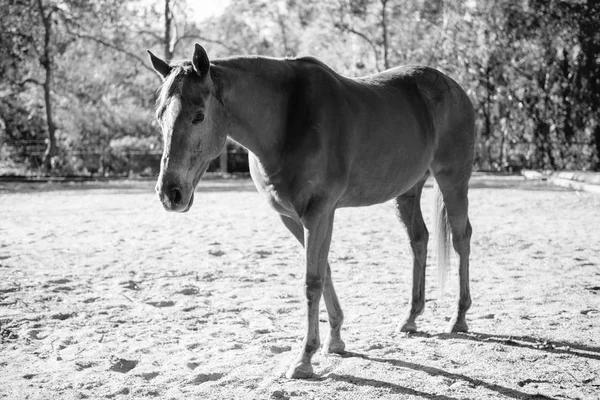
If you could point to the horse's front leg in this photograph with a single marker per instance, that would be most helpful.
(334, 342)
(317, 238)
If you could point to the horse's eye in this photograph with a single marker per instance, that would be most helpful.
(198, 118)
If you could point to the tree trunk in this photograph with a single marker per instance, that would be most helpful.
(386, 61)
(282, 26)
(591, 70)
(51, 148)
(46, 61)
(169, 50)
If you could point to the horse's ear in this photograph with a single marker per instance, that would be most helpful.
(200, 61)
(159, 65)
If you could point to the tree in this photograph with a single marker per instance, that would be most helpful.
(530, 68)
(33, 26)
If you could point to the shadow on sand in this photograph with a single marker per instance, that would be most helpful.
(559, 347)
(474, 382)
(541, 344)
(393, 388)
(125, 186)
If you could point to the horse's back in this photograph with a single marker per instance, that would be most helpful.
(365, 140)
(373, 136)
(428, 125)
(446, 101)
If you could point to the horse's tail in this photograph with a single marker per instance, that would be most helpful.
(443, 239)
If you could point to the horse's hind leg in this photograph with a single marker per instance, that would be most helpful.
(334, 342)
(408, 210)
(454, 190)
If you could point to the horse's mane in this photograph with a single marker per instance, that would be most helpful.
(269, 65)
(172, 83)
(252, 64)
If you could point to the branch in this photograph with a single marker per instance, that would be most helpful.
(345, 28)
(30, 80)
(115, 47)
(153, 34)
(204, 39)
(19, 34)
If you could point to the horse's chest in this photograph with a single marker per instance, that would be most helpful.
(268, 185)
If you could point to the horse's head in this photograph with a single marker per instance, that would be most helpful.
(192, 126)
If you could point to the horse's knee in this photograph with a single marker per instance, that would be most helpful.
(313, 287)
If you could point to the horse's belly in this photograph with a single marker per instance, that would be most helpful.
(377, 191)
(390, 153)
(377, 182)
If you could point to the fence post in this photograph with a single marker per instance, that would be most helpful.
(223, 160)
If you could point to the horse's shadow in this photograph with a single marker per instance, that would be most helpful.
(398, 389)
(560, 347)
(391, 387)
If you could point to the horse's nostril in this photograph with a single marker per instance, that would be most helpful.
(175, 196)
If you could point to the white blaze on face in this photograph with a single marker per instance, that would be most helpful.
(169, 117)
(171, 113)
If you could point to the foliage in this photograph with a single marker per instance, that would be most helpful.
(21, 132)
(531, 68)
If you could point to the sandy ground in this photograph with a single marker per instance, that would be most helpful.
(105, 295)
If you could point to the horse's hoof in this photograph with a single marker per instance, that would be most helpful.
(458, 326)
(333, 346)
(299, 370)
(409, 327)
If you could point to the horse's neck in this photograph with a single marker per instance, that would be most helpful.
(255, 101)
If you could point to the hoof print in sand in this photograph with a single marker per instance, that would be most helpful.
(189, 291)
(280, 349)
(131, 285)
(121, 365)
(203, 378)
(160, 304)
(63, 316)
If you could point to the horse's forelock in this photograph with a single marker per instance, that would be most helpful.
(171, 85)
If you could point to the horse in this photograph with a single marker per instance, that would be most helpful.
(318, 141)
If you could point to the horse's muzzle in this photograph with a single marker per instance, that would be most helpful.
(175, 198)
